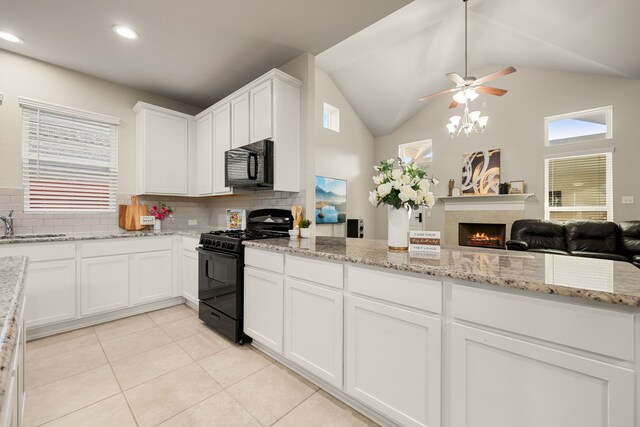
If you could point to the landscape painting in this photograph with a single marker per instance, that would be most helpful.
(331, 200)
(481, 172)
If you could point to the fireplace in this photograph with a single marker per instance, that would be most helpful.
(482, 235)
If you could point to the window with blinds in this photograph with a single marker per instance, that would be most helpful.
(69, 158)
(579, 187)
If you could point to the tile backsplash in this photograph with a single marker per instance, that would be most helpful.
(252, 200)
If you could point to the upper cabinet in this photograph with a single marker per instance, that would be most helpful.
(162, 150)
(240, 120)
(221, 143)
(261, 117)
(204, 150)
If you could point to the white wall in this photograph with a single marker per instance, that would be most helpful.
(348, 154)
(22, 76)
(516, 127)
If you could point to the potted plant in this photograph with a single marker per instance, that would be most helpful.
(160, 211)
(401, 188)
(305, 233)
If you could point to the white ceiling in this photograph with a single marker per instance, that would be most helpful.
(196, 51)
(385, 68)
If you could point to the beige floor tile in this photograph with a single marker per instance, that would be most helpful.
(184, 328)
(133, 370)
(271, 393)
(322, 410)
(220, 410)
(204, 344)
(121, 327)
(162, 398)
(171, 314)
(135, 343)
(62, 397)
(110, 412)
(233, 364)
(61, 343)
(45, 370)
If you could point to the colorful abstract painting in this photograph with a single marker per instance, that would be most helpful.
(481, 172)
(331, 200)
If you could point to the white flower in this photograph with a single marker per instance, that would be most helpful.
(397, 184)
(407, 193)
(373, 197)
(429, 200)
(406, 179)
(384, 189)
(377, 180)
(376, 168)
(424, 185)
(396, 174)
(435, 181)
(391, 160)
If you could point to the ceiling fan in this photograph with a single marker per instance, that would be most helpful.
(467, 87)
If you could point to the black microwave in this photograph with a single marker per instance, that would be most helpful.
(250, 166)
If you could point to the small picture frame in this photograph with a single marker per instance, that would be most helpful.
(516, 187)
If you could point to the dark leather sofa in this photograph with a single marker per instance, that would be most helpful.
(592, 239)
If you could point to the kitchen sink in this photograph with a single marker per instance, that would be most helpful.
(32, 236)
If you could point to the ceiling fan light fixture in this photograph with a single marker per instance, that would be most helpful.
(460, 98)
(470, 94)
(482, 121)
(455, 120)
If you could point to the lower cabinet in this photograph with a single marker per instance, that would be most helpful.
(190, 276)
(50, 292)
(152, 274)
(313, 319)
(105, 284)
(393, 361)
(263, 307)
(543, 386)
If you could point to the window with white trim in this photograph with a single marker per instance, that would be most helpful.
(69, 159)
(330, 117)
(579, 126)
(420, 152)
(579, 187)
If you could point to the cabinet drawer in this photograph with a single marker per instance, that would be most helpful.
(424, 294)
(190, 243)
(265, 260)
(40, 251)
(125, 246)
(602, 331)
(323, 272)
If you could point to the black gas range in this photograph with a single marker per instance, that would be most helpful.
(221, 269)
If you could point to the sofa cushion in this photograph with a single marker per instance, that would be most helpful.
(630, 238)
(591, 236)
(539, 234)
(636, 260)
(600, 255)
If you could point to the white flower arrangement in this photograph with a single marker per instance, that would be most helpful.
(406, 186)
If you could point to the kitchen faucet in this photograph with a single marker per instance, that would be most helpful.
(8, 224)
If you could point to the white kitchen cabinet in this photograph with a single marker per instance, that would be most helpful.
(221, 144)
(261, 116)
(104, 284)
(264, 307)
(240, 120)
(500, 381)
(13, 397)
(50, 292)
(204, 149)
(190, 271)
(313, 319)
(151, 276)
(162, 150)
(393, 361)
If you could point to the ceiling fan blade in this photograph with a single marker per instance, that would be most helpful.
(439, 93)
(453, 104)
(456, 78)
(494, 76)
(491, 90)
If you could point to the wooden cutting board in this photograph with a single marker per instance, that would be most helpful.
(129, 215)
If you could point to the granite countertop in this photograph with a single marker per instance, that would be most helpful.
(613, 282)
(67, 237)
(12, 274)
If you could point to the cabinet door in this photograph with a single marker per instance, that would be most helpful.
(221, 143)
(240, 121)
(50, 292)
(261, 117)
(313, 329)
(105, 284)
(263, 307)
(152, 276)
(166, 153)
(393, 361)
(204, 184)
(504, 382)
(190, 276)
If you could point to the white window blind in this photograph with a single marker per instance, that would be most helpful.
(70, 159)
(579, 187)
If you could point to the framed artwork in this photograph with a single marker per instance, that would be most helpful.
(331, 200)
(481, 172)
(517, 187)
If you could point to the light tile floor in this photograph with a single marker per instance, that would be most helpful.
(167, 368)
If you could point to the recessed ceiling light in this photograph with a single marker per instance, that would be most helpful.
(10, 37)
(126, 32)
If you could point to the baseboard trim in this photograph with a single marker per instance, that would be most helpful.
(70, 325)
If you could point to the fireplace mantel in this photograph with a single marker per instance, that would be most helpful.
(506, 202)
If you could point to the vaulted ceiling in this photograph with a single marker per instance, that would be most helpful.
(384, 69)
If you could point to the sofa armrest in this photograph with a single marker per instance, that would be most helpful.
(517, 245)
